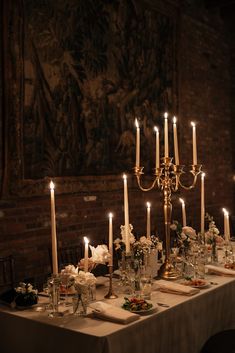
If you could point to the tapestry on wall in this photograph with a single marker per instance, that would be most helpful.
(90, 68)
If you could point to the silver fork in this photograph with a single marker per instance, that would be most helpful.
(163, 305)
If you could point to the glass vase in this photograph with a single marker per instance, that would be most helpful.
(80, 301)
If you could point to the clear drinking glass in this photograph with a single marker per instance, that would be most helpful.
(145, 282)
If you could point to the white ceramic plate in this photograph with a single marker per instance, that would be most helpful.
(143, 312)
(204, 284)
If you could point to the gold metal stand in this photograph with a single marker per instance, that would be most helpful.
(110, 294)
(167, 178)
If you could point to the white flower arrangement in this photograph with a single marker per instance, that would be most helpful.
(186, 236)
(25, 288)
(100, 254)
(25, 295)
(70, 270)
(212, 235)
(84, 280)
(120, 242)
(189, 233)
(131, 235)
(145, 241)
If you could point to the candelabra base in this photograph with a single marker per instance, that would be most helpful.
(168, 271)
(110, 294)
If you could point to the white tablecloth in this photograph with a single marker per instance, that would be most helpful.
(182, 328)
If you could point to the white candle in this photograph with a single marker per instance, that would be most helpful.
(137, 143)
(183, 213)
(176, 148)
(148, 220)
(157, 147)
(86, 241)
(166, 144)
(53, 231)
(202, 204)
(111, 238)
(126, 214)
(226, 225)
(194, 143)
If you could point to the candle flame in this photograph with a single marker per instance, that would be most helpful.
(203, 175)
(124, 177)
(148, 204)
(136, 123)
(156, 129)
(193, 124)
(165, 115)
(225, 212)
(174, 119)
(110, 215)
(181, 200)
(52, 185)
(86, 240)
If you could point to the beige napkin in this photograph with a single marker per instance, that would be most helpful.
(176, 288)
(112, 313)
(220, 270)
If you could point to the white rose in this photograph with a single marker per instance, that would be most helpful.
(190, 232)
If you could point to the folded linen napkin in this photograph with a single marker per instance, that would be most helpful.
(176, 288)
(112, 313)
(220, 270)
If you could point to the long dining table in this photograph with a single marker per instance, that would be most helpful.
(181, 327)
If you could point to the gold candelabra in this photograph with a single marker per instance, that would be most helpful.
(168, 179)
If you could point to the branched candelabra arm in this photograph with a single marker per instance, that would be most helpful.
(138, 172)
(195, 171)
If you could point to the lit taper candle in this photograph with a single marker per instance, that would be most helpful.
(183, 212)
(194, 143)
(111, 239)
(176, 148)
(226, 225)
(166, 143)
(86, 241)
(126, 214)
(202, 203)
(137, 143)
(148, 220)
(157, 149)
(53, 231)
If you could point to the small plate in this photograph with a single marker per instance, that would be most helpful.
(143, 312)
(201, 285)
(146, 312)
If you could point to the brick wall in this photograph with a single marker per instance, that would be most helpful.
(204, 96)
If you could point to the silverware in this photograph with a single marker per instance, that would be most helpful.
(163, 305)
